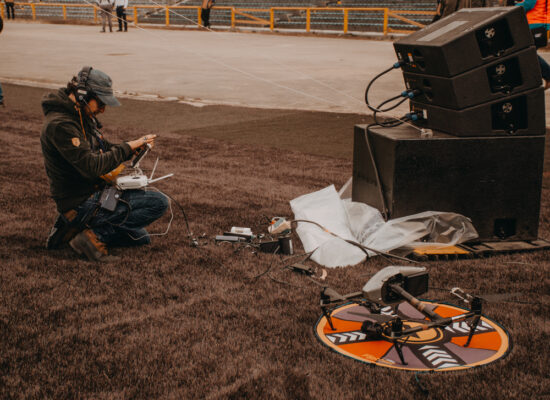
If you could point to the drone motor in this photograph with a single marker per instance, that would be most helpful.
(413, 279)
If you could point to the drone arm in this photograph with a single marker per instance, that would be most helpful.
(331, 296)
(436, 324)
(419, 305)
(354, 295)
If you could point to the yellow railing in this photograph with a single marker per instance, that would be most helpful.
(246, 15)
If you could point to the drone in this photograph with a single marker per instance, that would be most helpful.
(392, 286)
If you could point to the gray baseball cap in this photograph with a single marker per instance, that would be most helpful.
(101, 85)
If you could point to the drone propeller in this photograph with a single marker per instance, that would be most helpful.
(498, 297)
(488, 298)
(332, 295)
(380, 318)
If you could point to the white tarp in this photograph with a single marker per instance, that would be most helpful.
(364, 224)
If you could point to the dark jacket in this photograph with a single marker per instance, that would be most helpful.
(72, 157)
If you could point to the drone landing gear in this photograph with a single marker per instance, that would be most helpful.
(396, 332)
(398, 347)
(475, 310)
(475, 307)
(327, 313)
(330, 296)
(393, 331)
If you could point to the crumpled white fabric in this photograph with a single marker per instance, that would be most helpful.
(364, 224)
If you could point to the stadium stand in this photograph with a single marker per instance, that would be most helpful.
(256, 13)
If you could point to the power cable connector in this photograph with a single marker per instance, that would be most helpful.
(411, 116)
(411, 93)
(398, 64)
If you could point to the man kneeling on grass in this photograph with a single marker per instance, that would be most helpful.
(80, 162)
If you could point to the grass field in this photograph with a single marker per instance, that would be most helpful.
(172, 321)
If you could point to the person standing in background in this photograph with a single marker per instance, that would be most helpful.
(537, 13)
(205, 12)
(1, 94)
(1, 97)
(445, 8)
(106, 9)
(121, 14)
(10, 9)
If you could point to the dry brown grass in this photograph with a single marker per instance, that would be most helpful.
(172, 321)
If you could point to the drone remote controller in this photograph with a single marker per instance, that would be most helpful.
(137, 179)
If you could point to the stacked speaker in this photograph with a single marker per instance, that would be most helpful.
(477, 84)
(476, 73)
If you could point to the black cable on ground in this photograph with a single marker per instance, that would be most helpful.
(190, 234)
(284, 283)
(420, 385)
(268, 268)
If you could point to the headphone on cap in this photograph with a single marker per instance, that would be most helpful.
(83, 91)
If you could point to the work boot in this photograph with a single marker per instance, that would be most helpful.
(86, 243)
(64, 229)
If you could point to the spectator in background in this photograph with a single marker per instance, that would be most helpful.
(106, 9)
(205, 12)
(447, 7)
(121, 14)
(437, 15)
(1, 94)
(10, 8)
(537, 17)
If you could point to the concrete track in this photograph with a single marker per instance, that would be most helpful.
(255, 70)
(201, 67)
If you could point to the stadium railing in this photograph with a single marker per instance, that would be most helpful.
(344, 19)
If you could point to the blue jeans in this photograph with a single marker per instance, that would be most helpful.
(1, 94)
(125, 226)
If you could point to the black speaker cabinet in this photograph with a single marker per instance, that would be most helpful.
(506, 76)
(464, 40)
(495, 181)
(521, 114)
